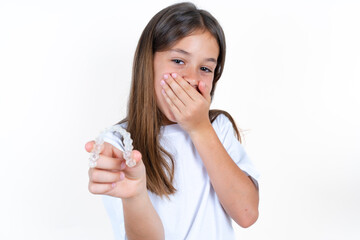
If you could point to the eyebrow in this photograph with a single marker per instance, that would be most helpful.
(178, 50)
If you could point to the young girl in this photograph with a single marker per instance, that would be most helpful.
(192, 175)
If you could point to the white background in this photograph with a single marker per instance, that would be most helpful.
(291, 80)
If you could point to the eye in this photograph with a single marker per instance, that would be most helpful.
(205, 69)
(178, 61)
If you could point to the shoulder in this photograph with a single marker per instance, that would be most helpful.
(221, 119)
(223, 125)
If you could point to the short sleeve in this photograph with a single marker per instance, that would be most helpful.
(226, 133)
(113, 205)
(114, 138)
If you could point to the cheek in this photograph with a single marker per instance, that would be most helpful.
(161, 67)
(209, 82)
(160, 100)
(157, 78)
(158, 89)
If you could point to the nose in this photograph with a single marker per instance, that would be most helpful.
(191, 76)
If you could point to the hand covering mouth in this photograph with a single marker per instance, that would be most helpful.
(196, 87)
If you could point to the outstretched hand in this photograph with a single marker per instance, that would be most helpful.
(112, 176)
(190, 107)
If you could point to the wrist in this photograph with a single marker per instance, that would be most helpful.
(201, 130)
(140, 197)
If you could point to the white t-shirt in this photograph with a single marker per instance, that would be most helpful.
(194, 212)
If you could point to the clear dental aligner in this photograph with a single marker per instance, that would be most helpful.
(128, 147)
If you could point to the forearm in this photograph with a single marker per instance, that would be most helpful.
(236, 192)
(141, 219)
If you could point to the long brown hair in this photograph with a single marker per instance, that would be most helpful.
(144, 118)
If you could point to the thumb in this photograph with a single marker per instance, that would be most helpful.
(136, 155)
(137, 171)
(205, 90)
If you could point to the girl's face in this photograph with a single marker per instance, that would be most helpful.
(193, 58)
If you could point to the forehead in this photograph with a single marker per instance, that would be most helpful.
(199, 42)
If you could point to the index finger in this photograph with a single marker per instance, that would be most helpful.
(205, 90)
(89, 146)
(111, 151)
(190, 89)
(105, 149)
(110, 163)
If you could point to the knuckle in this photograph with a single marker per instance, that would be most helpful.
(186, 86)
(174, 86)
(170, 94)
(169, 100)
(175, 99)
(94, 175)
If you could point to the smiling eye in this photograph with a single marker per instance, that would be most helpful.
(178, 61)
(205, 69)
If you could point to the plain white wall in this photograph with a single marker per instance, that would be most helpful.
(291, 80)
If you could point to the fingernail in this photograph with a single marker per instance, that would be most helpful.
(166, 76)
(113, 185)
(123, 165)
(162, 82)
(122, 176)
(174, 75)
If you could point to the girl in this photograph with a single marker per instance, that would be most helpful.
(192, 175)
